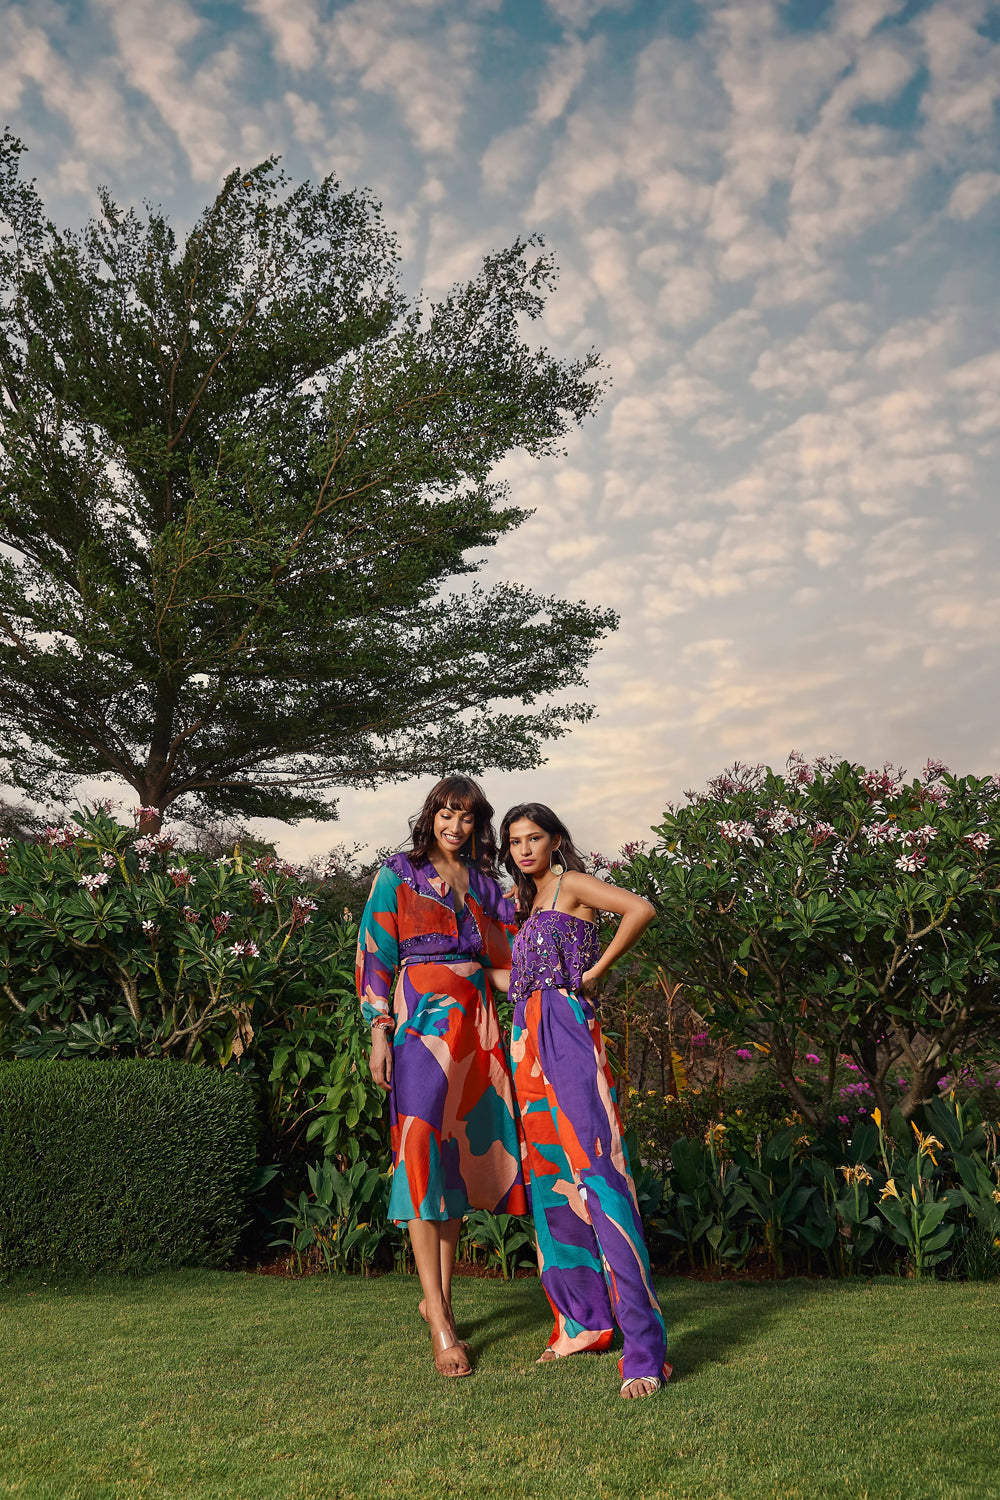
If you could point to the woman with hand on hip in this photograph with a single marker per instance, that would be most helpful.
(592, 1256)
(435, 920)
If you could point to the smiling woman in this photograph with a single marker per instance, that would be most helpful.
(434, 920)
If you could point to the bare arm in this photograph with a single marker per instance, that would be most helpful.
(380, 1059)
(593, 895)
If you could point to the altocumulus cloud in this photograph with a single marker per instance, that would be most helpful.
(779, 224)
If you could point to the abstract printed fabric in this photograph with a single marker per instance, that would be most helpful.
(451, 1111)
(592, 1256)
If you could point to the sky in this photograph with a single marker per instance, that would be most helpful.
(778, 224)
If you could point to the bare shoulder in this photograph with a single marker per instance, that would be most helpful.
(602, 895)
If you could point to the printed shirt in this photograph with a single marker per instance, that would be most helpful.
(410, 919)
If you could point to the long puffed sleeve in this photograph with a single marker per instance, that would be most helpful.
(378, 947)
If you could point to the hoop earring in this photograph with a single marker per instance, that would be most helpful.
(473, 845)
(552, 867)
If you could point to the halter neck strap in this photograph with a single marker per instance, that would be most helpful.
(555, 898)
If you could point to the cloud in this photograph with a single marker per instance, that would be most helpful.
(295, 28)
(420, 59)
(88, 100)
(198, 103)
(578, 14)
(565, 73)
(972, 193)
(964, 71)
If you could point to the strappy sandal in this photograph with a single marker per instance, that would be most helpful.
(461, 1342)
(653, 1380)
(441, 1344)
(656, 1381)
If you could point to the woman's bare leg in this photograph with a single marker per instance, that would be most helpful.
(450, 1232)
(432, 1242)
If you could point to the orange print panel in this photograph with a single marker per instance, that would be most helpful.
(414, 1151)
(417, 915)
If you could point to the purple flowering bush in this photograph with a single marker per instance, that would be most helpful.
(840, 913)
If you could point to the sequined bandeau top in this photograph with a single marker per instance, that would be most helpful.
(551, 952)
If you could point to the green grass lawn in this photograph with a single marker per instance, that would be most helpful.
(202, 1384)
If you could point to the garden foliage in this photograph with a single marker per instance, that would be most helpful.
(114, 945)
(122, 1166)
(838, 907)
(890, 1197)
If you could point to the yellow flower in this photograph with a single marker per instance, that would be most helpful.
(714, 1135)
(853, 1175)
(996, 1195)
(926, 1144)
(889, 1191)
(877, 1117)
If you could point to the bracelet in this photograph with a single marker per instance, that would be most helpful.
(382, 1023)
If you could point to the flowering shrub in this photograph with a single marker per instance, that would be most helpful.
(836, 909)
(112, 945)
(115, 945)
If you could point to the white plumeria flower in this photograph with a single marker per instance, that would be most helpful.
(910, 863)
(978, 840)
(246, 949)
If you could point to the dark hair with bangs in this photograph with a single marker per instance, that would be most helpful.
(535, 812)
(463, 795)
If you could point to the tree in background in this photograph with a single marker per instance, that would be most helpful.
(836, 908)
(236, 474)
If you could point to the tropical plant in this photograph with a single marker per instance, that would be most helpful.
(504, 1237)
(705, 1207)
(340, 1223)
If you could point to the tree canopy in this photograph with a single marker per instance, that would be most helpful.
(836, 907)
(237, 472)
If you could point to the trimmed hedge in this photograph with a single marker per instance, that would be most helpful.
(122, 1166)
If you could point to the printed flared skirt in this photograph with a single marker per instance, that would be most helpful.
(452, 1117)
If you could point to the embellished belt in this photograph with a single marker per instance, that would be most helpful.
(440, 958)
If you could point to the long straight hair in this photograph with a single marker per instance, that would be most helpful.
(464, 795)
(535, 812)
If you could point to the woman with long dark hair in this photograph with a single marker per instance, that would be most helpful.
(435, 920)
(592, 1256)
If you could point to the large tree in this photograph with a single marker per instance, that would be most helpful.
(236, 475)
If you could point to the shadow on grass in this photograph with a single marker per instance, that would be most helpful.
(710, 1322)
(524, 1307)
(707, 1323)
